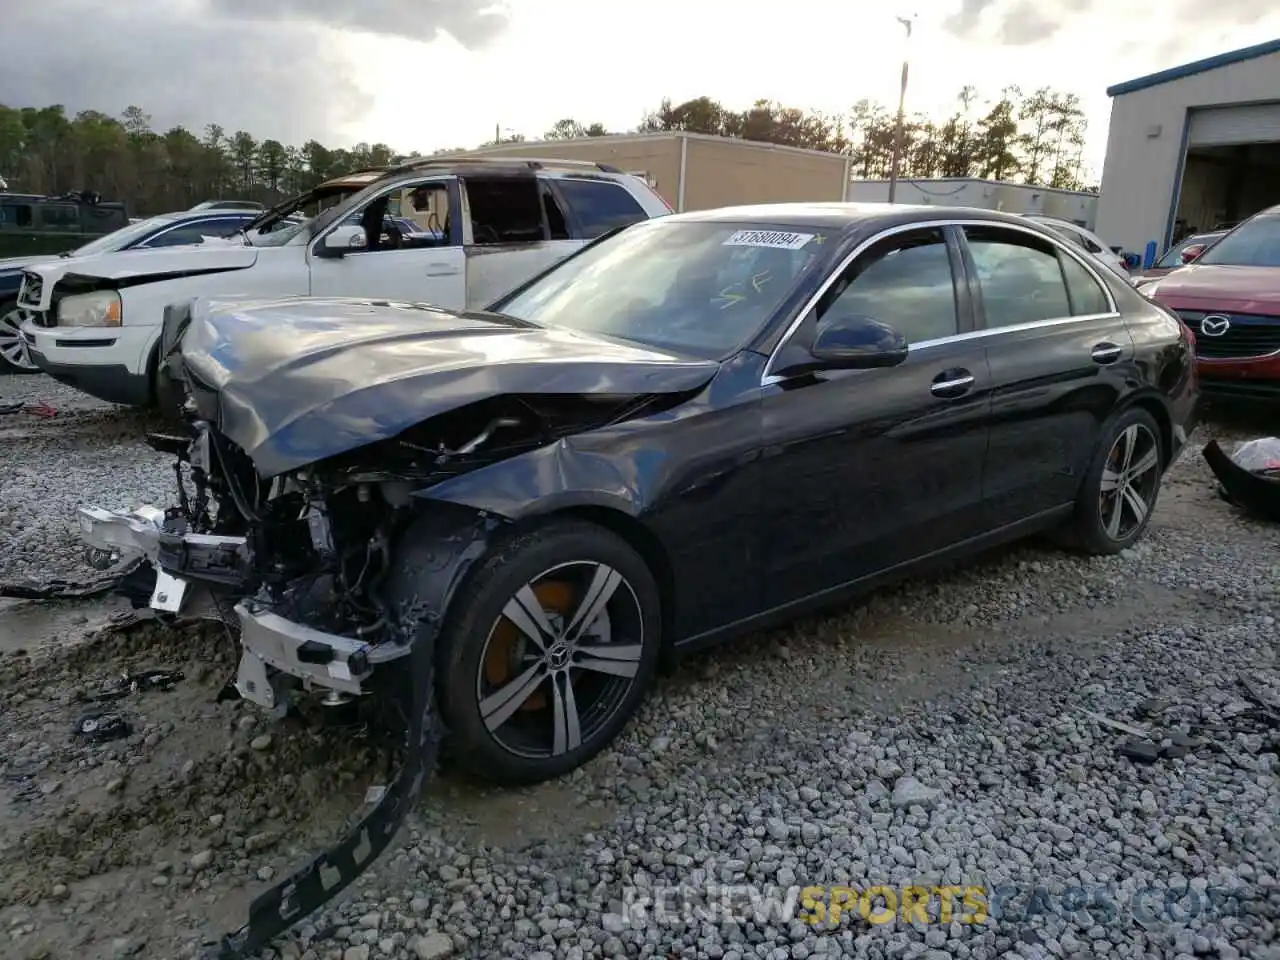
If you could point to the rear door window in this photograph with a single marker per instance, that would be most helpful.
(1019, 275)
(600, 205)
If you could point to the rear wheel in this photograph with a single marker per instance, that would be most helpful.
(547, 652)
(14, 357)
(1120, 489)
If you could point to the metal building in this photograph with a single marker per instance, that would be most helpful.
(1077, 206)
(1191, 148)
(694, 171)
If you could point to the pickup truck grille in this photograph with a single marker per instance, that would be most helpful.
(1247, 335)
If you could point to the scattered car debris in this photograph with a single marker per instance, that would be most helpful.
(146, 680)
(58, 589)
(1140, 751)
(1117, 725)
(1249, 478)
(38, 409)
(100, 727)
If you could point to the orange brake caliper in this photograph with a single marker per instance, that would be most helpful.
(502, 660)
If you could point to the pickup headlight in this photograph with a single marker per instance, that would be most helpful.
(99, 309)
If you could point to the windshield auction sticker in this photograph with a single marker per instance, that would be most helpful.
(779, 239)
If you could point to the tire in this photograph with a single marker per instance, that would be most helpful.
(13, 352)
(1108, 487)
(482, 655)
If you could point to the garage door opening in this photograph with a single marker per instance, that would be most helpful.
(1223, 184)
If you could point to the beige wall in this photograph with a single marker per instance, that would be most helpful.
(1144, 145)
(659, 157)
(718, 171)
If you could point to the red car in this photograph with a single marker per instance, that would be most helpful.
(1230, 298)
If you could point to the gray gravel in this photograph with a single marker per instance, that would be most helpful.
(90, 452)
(956, 730)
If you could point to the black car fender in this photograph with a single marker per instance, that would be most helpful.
(547, 480)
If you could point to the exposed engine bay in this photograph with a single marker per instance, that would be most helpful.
(306, 561)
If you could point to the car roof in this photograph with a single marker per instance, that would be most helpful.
(834, 215)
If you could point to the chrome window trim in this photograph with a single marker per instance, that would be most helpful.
(767, 378)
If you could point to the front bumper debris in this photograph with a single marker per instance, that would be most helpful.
(135, 533)
(1256, 493)
(318, 659)
(185, 565)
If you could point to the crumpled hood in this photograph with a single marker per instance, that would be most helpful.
(136, 264)
(299, 380)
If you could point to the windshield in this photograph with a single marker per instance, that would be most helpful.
(119, 239)
(1255, 243)
(689, 287)
(277, 235)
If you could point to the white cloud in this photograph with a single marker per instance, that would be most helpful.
(427, 74)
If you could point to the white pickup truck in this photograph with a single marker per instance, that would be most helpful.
(485, 226)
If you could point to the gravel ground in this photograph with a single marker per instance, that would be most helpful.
(957, 730)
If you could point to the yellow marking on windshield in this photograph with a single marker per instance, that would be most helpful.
(759, 280)
(728, 298)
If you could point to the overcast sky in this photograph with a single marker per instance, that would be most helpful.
(426, 74)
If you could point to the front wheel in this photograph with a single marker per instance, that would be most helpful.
(1119, 491)
(547, 652)
(14, 357)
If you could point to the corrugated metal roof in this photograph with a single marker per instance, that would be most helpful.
(1198, 66)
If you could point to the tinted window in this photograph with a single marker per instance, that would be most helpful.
(1255, 243)
(699, 288)
(60, 216)
(600, 205)
(1087, 297)
(904, 281)
(15, 215)
(1019, 276)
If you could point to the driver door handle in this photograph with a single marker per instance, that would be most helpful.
(1106, 353)
(950, 384)
(441, 269)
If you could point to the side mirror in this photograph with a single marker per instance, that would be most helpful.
(851, 342)
(1191, 253)
(1118, 251)
(341, 241)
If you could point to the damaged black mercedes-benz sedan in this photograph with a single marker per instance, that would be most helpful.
(691, 428)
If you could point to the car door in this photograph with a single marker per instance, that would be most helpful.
(865, 470)
(428, 267)
(516, 227)
(1059, 354)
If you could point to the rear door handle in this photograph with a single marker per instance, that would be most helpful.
(441, 269)
(951, 383)
(1105, 353)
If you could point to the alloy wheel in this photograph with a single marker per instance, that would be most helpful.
(13, 349)
(560, 660)
(1130, 478)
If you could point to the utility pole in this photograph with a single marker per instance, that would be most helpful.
(902, 101)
